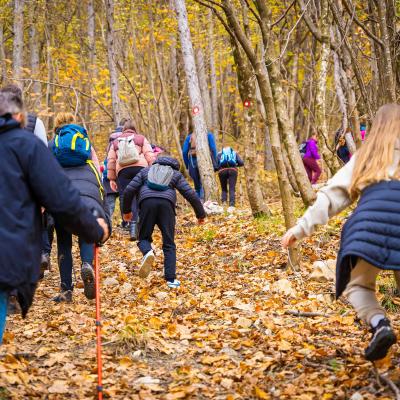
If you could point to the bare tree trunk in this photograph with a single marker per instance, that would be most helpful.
(91, 25)
(112, 60)
(18, 44)
(200, 127)
(339, 90)
(203, 82)
(3, 65)
(35, 61)
(269, 164)
(213, 75)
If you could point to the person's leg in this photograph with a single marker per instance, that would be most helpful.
(3, 312)
(87, 272)
(316, 171)
(64, 246)
(166, 223)
(233, 174)
(361, 294)
(307, 166)
(147, 221)
(223, 179)
(110, 203)
(195, 175)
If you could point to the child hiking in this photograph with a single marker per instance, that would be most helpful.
(156, 189)
(370, 240)
(310, 159)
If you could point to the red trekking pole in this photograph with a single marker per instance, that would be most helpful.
(98, 324)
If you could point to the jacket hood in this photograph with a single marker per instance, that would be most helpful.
(171, 162)
(7, 123)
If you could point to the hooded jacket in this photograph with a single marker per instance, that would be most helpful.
(178, 182)
(30, 179)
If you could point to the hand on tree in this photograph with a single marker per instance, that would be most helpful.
(114, 186)
(288, 240)
(127, 217)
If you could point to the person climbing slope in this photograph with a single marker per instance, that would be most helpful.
(228, 162)
(25, 188)
(156, 188)
(72, 148)
(129, 154)
(370, 240)
(310, 159)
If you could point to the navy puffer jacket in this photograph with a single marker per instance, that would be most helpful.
(372, 232)
(178, 182)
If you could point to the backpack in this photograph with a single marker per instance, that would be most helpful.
(228, 158)
(303, 149)
(127, 151)
(159, 177)
(31, 123)
(72, 146)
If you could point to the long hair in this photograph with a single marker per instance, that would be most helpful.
(377, 153)
(63, 118)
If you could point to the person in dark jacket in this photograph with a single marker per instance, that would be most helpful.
(228, 162)
(25, 188)
(86, 178)
(190, 159)
(157, 207)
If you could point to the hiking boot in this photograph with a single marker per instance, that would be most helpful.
(147, 263)
(65, 296)
(44, 264)
(87, 275)
(132, 231)
(382, 339)
(174, 285)
(13, 306)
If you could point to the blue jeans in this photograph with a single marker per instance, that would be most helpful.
(3, 312)
(64, 244)
(195, 175)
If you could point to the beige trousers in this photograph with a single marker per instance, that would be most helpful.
(361, 290)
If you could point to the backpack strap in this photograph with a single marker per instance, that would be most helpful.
(31, 123)
(96, 174)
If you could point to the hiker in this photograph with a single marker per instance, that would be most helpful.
(228, 162)
(342, 149)
(157, 150)
(72, 149)
(33, 124)
(370, 237)
(156, 188)
(310, 159)
(128, 155)
(111, 195)
(25, 188)
(190, 159)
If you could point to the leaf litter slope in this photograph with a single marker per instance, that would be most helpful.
(228, 333)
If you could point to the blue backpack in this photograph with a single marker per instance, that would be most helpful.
(72, 146)
(228, 158)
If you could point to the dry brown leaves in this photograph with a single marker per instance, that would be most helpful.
(223, 335)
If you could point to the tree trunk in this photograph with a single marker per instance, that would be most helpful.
(18, 44)
(112, 60)
(34, 50)
(203, 82)
(199, 122)
(3, 65)
(91, 29)
(213, 75)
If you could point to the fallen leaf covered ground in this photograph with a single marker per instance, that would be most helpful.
(228, 333)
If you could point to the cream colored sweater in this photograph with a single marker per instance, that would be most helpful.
(333, 198)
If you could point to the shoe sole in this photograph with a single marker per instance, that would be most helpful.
(87, 275)
(145, 268)
(381, 347)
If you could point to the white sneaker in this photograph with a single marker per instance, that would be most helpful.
(174, 285)
(147, 263)
(230, 209)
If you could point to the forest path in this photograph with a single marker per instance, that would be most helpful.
(223, 335)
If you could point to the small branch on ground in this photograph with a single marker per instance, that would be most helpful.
(305, 314)
(385, 378)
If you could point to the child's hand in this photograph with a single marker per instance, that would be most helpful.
(201, 221)
(288, 239)
(104, 226)
(114, 186)
(127, 217)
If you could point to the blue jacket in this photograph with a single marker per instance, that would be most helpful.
(186, 148)
(372, 232)
(178, 182)
(31, 177)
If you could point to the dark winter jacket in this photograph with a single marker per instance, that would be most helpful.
(239, 162)
(32, 178)
(372, 232)
(178, 182)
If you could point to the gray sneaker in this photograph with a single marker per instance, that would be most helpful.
(65, 296)
(87, 275)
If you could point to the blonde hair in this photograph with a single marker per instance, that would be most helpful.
(63, 118)
(377, 153)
